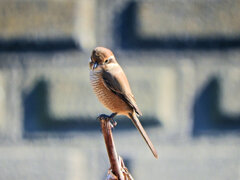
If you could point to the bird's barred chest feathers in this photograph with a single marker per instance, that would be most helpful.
(106, 96)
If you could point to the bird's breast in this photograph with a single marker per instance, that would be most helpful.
(110, 100)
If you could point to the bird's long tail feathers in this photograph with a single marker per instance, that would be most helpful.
(138, 125)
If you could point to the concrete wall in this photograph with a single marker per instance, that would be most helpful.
(182, 59)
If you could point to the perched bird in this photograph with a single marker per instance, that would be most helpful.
(112, 89)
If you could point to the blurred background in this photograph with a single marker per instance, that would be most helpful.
(181, 57)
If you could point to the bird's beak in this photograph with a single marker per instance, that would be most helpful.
(95, 65)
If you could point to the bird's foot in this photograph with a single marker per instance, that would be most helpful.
(103, 117)
(108, 118)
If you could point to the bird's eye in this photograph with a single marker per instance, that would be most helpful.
(106, 61)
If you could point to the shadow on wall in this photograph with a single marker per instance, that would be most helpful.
(37, 117)
(38, 45)
(126, 36)
(208, 118)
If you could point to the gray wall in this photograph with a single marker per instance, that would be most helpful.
(182, 59)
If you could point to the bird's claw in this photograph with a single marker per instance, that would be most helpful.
(108, 118)
(113, 122)
(103, 117)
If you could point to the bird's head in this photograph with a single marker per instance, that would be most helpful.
(102, 58)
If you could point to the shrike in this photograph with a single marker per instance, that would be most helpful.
(111, 86)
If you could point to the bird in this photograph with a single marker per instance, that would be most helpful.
(112, 88)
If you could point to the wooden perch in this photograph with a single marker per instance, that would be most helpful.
(117, 171)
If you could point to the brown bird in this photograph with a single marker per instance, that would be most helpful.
(112, 89)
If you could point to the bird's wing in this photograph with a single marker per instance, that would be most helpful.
(117, 82)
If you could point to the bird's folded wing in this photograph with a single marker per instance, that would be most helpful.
(118, 84)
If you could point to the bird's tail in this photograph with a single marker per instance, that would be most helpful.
(138, 125)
